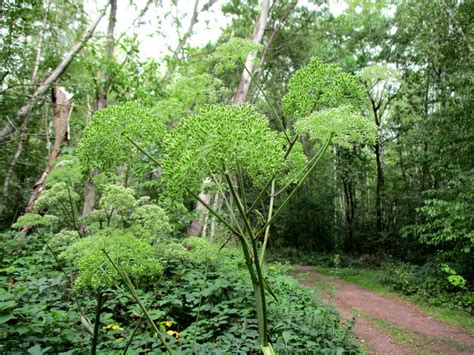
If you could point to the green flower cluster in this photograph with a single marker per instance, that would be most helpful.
(228, 54)
(218, 139)
(320, 86)
(135, 256)
(341, 123)
(105, 144)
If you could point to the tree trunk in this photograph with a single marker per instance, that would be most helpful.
(62, 109)
(197, 224)
(25, 110)
(244, 84)
(101, 102)
(11, 166)
(379, 188)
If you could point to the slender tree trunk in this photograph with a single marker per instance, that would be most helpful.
(244, 84)
(23, 136)
(90, 194)
(279, 25)
(62, 109)
(25, 110)
(379, 188)
(11, 166)
(196, 226)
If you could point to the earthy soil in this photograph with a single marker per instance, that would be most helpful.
(387, 325)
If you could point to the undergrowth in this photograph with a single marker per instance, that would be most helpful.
(203, 299)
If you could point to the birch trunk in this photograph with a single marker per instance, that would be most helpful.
(196, 227)
(257, 37)
(25, 110)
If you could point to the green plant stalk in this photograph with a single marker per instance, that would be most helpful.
(264, 190)
(73, 211)
(310, 162)
(215, 213)
(267, 230)
(131, 288)
(267, 100)
(84, 321)
(250, 262)
(142, 150)
(300, 183)
(98, 310)
(257, 280)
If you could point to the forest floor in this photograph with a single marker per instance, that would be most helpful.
(384, 324)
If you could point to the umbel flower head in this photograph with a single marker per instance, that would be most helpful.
(105, 144)
(219, 139)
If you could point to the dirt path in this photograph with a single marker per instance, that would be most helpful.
(386, 325)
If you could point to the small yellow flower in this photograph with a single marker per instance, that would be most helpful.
(173, 333)
(167, 323)
(113, 327)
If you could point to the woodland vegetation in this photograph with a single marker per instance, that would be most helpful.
(146, 204)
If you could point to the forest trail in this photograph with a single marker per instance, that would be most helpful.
(386, 325)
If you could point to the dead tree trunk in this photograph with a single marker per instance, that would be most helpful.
(25, 110)
(62, 108)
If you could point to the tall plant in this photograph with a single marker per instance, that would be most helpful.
(235, 146)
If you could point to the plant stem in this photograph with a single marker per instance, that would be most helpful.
(133, 292)
(98, 310)
(257, 277)
(311, 168)
(268, 101)
(267, 230)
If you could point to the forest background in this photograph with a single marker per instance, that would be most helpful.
(403, 202)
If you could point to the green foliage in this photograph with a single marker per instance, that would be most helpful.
(149, 222)
(33, 220)
(374, 75)
(134, 255)
(216, 139)
(105, 145)
(118, 199)
(228, 55)
(60, 241)
(320, 86)
(446, 220)
(57, 201)
(208, 303)
(430, 283)
(345, 126)
(66, 169)
(191, 91)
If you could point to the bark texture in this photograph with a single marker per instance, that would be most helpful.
(257, 37)
(62, 108)
(25, 110)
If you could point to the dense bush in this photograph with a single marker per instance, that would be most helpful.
(204, 301)
(432, 282)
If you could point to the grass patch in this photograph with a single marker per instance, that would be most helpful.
(372, 280)
(413, 339)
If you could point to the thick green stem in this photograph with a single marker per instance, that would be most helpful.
(267, 230)
(98, 310)
(257, 277)
(136, 298)
(260, 298)
(310, 170)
